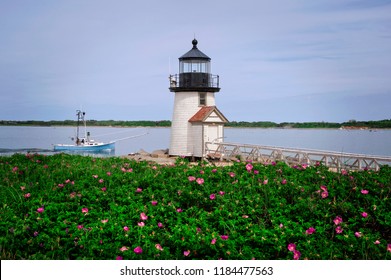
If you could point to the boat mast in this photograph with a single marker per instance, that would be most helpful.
(80, 117)
(85, 127)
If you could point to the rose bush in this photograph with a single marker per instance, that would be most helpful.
(74, 207)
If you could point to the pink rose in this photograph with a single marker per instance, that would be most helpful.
(291, 247)
(311, 230)
(159, 247)
(249, 167)
(296, 255)
(143, 216)
(138, 250)
(191, 178)
(338, 229)
(337, 220)
(324, 194)
(364, 214)
(200, 181)
(123, 248)
(224, 237)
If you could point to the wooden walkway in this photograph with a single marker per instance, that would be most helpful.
(338, 161)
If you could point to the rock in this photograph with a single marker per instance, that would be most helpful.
(143, 153)
(160, 152)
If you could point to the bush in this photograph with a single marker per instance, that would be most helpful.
(74, 207)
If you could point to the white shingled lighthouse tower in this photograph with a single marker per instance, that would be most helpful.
(195, 119)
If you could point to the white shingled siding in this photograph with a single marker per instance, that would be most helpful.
(186, 141)
(186, 104)
(197, 141)
(210, 99)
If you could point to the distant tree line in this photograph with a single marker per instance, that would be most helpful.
(162, 123)
(166, 123)
(348, 124)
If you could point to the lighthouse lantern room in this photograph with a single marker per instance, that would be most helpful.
(195, 119)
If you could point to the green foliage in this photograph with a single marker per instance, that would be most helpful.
(162, 123)
(74, 207)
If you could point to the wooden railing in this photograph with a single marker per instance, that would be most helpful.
(349, 161)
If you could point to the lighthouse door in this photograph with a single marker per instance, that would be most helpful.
(212, 135)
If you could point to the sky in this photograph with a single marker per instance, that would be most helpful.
(280, 61)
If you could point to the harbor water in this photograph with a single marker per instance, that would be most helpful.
(131, 140)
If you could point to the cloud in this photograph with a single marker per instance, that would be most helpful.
(61, 54)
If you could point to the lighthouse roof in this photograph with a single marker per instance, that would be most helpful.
(207, 113)
(194, 53)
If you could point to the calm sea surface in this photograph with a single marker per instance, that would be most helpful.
(374, 142)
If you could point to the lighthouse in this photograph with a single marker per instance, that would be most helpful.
(196, 119)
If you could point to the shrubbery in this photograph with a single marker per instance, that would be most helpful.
(74, 207)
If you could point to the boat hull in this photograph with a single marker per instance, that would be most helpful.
(88, 148)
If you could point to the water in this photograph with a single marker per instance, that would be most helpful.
(370, 142)
(41, 139)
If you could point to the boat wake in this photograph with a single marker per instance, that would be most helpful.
(24, 150)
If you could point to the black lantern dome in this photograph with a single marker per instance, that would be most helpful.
(194, 73)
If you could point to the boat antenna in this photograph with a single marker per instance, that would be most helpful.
(78, 114)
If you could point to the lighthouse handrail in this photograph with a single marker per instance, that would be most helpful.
(175, 81)
(224, 150)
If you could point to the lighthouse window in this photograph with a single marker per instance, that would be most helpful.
(194, 66)
(202, 99)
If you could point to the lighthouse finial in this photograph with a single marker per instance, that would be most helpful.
(194, 42)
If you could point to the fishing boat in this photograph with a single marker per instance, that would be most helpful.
(84, 143)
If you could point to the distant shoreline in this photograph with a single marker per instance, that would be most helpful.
(226, 127)
(350, 125)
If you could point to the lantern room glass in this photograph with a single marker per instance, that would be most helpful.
(191, 66)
